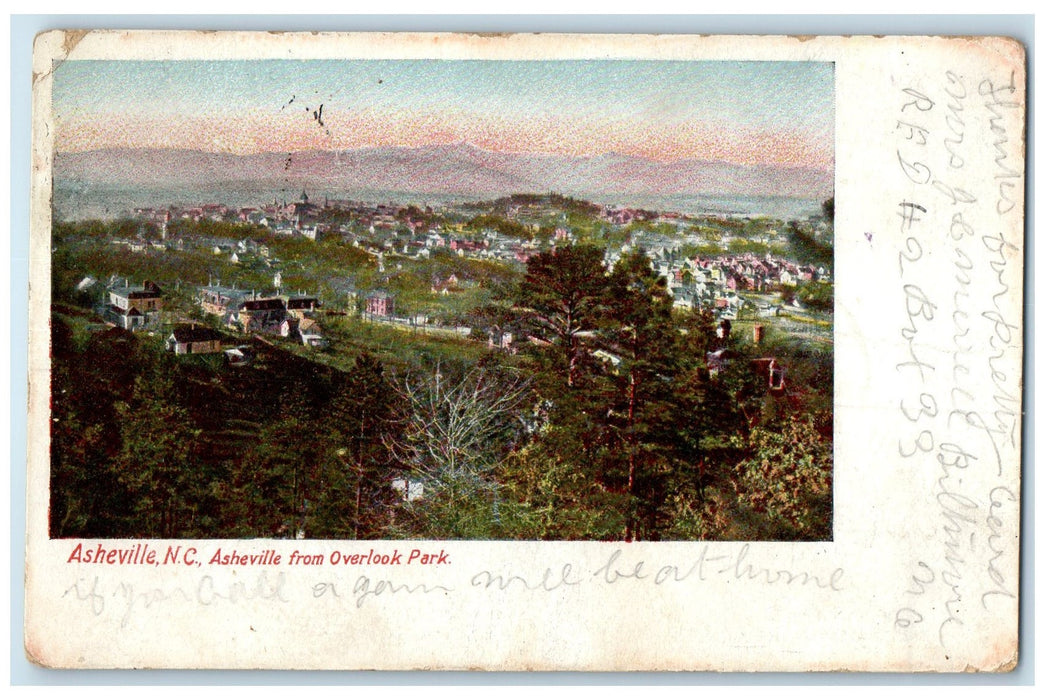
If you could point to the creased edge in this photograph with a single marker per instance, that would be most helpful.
(54, 46)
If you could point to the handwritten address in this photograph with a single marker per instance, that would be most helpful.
(962, 343)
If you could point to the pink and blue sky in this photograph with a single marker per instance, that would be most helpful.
(750, 113)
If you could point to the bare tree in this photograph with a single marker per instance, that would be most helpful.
(458, 428)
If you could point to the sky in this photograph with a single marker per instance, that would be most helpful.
(751, 113)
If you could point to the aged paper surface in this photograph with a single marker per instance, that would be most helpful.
(912, 564)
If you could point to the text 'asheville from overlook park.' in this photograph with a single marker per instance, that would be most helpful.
(146, 554)
(363, 300)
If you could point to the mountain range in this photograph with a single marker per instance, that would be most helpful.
(459, 169)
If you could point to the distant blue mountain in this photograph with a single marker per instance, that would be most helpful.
(461, 169)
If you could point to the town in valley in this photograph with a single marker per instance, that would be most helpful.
(533, 366)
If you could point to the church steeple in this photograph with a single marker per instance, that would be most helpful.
(304, 196)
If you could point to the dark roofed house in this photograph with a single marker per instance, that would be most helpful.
(300, 306)
(271, 304)
(128, 319)
(193, 340)
(131, 307)
(267, 316)
(148, 296)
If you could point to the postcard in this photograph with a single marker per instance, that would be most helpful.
(525, 352)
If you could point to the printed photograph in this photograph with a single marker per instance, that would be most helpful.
(561, 300)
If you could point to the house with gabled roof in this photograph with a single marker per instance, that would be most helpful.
(310, 333)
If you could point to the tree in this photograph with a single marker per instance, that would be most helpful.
(647, 408)
(787, 477)
(272, 485)
(156, 462)
(560, 297)
(828, 207)
(551, 483)
(620, 397)
(816, 295)
(319, 467)
(806, 248)
(93, 375)
(361, 422)
(86, 496)
(456, 431)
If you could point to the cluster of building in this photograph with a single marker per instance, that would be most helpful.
(302, 218)
(490, 245)
(280, 315)
(381, 227)
(135, 307)
(715, 282)
(236, 250)
(387, 229)
(139, 307)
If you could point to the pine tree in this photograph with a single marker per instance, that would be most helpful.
(156, 463)
(561, 295)
(642, 419)
(271, 483)
(360, 421)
